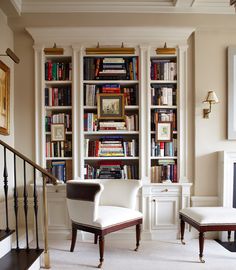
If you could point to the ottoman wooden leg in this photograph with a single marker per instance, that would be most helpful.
(182, 226)
(229, 235)
(73, 240)
(201, 246)
(95, 239)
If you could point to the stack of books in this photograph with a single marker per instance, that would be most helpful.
(165, 171)
(55, 71)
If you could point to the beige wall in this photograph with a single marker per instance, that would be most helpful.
(210, 135)
(6, 41)
(207, 70)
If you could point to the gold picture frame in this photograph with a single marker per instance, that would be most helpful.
(58, 132)
(110, 106)
(4, 99)
(164, 131)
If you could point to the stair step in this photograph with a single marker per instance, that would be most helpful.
(4, 234)
(5, 242)
(21, 259)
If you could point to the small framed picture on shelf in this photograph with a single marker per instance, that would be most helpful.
(58, 132)
(110, 106)
(164, 131)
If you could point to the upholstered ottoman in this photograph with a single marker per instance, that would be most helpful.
(206, 219)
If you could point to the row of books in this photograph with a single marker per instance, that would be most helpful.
(91, 91)
(57, 71)
(164, 149)
(58, 96)
(164, 115)
(111, 170)
(58, 149)
(111, 68)
(163, 95)
(163, 69)
(165, 171)
(91, 123)
(107, 147)
(61, 169)
(58, 118)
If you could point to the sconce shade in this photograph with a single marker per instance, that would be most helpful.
(211, 98)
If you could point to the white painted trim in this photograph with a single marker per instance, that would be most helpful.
(204, 201)
(17, 5)
(89, 36)
(206, 7)
(231, 93)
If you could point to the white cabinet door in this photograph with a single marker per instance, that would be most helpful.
(164, 212)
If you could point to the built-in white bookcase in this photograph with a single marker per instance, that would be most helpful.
(159, 202)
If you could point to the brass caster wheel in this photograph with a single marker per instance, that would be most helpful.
(100, 265)
(201, 259)
(183, 243)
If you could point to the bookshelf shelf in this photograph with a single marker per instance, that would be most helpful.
(58, 158)
(58, 82)
(122, 82)
(163, 82)
(164, 157)
(125, 132)
(57, 108)
(153, 107)
(111, 158)
(126, 107)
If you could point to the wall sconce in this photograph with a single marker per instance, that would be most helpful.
(12, 55)
(211, 99)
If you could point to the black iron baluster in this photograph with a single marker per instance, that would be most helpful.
(26, 207)
(5, 176)
(36, 210)
(16, 203)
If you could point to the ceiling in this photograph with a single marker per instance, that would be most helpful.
(20, 7)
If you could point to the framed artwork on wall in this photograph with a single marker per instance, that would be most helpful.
(4, 99)
(110, 106)
(231, 134)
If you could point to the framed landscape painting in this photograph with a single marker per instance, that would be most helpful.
(110, 106)
(4, 99)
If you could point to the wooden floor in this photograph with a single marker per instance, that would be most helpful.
(19, 259)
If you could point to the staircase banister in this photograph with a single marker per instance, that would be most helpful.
(39, 168)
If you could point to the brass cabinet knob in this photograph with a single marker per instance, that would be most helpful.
(153, 200)
(165, 190)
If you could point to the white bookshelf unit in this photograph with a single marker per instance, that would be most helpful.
(159, 200)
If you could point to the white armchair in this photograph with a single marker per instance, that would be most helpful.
(102, 207)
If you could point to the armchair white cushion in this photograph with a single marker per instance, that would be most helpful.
(102, 207)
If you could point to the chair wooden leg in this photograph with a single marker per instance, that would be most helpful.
(101, 249)
(182, 227)
(138, 232)
(73, 240)
(95, 239)
(201, 246)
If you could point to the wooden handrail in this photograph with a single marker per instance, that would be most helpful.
(39, 168)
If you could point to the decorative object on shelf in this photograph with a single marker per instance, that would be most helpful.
(210, 99)
(57, 132)
(164, 131)
(233, 3)
(4, 99)
(54, 50)
(165, 50)
(110, 50)
(12, 55)
(110, 106)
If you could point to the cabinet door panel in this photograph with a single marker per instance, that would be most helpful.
(164, 212)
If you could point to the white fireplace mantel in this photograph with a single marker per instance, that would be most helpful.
(226, 160)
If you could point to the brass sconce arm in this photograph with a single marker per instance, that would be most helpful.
(210, 99)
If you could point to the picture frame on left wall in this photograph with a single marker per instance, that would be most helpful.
(4, 99)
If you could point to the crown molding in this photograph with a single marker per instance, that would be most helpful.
(115, 35)
(168, 6)
(17, 5)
